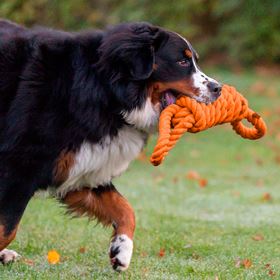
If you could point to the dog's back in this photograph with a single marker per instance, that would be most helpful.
(12, 56)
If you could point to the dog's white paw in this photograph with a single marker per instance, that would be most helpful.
(120, 252)
(7, 256)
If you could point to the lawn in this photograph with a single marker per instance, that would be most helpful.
(228, 229)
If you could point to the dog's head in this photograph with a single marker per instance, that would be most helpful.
(147, 68)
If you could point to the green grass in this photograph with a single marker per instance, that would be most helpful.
(203, 231)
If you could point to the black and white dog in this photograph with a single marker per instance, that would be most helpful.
(76, 109)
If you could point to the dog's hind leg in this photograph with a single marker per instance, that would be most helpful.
(110, 208)
(13, 201)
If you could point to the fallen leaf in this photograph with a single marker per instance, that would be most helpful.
(246, 263)
(236, 193)
(161, 252)
(277, 159)
(203, 182)
(271, 272)
(259, 161)
(258, 237)
(53, 257)
(260, 183)
(175, 179)
(82, 250)
(193, 175)
(266, 196)
(267, 265)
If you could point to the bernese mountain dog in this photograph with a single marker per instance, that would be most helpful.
(76, 109)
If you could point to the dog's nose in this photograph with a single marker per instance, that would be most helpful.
(215, 88)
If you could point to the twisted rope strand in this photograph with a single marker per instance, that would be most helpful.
(187, 115)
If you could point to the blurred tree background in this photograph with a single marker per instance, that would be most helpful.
(226, 32)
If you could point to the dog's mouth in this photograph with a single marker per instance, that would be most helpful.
(168, 97)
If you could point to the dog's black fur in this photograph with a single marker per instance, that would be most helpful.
(59, 89)
(56, 90)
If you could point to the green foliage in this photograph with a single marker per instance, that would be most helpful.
(236, 31)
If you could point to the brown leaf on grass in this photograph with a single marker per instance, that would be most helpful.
(277, 159)
(267, 265)
(246, 263)
(193, 175)
(266, 196)
(175, 179)
(258, 237)
(82, 250)
(260, 183)
(259, 161)
(161, 252)
(238, 157)
(203, 182)
(236, 193)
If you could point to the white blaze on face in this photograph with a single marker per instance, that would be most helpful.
(200, 80)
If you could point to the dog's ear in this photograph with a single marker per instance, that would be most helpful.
(130, 50)
(141, 63)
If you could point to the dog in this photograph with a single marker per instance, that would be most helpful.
(77, 108)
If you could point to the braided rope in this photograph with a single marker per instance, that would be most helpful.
(187, 115)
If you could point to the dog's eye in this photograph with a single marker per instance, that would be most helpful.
(184, 62)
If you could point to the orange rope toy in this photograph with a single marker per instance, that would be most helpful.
(187, 115)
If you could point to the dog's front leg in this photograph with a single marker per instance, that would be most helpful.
(110, 208)
(14, 197)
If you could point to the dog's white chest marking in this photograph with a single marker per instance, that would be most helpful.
(97, 164)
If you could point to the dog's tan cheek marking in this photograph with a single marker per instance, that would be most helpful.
(62, 166)
(181, 86)
(6, 238)
(154, 93)
(188, 53)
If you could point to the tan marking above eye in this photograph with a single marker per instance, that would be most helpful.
(188, 53)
